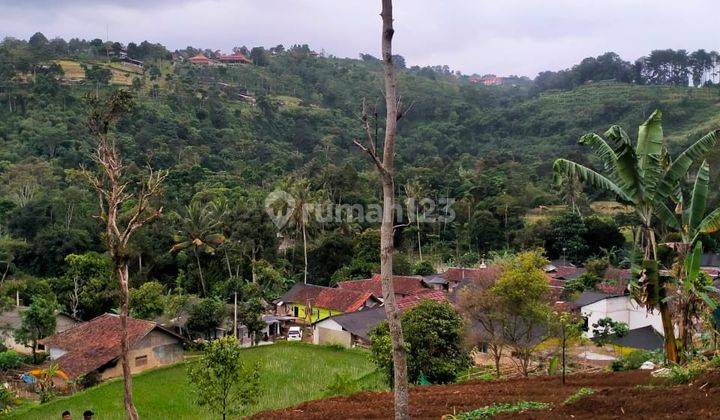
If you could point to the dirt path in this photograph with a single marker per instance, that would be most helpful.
(613, 392)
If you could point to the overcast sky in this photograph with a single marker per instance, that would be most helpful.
(475, 36)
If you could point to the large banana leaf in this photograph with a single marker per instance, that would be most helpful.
(587, 175)
(711, 223)
(602, 150)
(649, 151)
(665, 215)
(627, 170)
(699, 197)
(650, 137)
(680, 166)
(692, 262)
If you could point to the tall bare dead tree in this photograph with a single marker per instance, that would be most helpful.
(386, 166)
(124, 208)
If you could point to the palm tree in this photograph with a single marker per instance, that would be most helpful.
(200, 224)
(642, 177)
(299, 210)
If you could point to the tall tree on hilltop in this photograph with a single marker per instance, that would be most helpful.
(385, 165)
(124, 208)
(643, 177)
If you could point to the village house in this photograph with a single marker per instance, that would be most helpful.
(402, 285)
(199, 59)
(595, 305)
(353, 329)
(487, 80)
(11, 320)
(310, 303)
(235, 58)
(93, 348)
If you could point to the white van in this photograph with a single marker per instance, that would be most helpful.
(294, 334)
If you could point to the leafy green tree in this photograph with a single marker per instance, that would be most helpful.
(200, 227)
(258, 56)
(569, 232)
(565, 326)
(38, 321)
(423, 268)
(223, 382)
(484, 312)
(523, 293)
(606, 330)
(205, 316)
(9, 247)
(643, 177)
(97, 74)
(87, 285)
(434, 334)
(147, 301)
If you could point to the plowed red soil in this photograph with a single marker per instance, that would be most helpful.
(617, 395)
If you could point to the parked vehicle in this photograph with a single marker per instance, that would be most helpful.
(294, 334)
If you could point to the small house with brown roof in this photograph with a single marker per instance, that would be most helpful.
(11, 320)
(93, 348)
(310, 303)
(353, 329)
(235, 58)
(199, 59)
(402, 285)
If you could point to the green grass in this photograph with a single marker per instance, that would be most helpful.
(291, 373)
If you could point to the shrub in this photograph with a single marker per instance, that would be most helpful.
(434, 338)
(9, 359)
(423, 268)
(490, 411)
(634, 360)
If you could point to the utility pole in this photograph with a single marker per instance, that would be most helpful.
(235, 317)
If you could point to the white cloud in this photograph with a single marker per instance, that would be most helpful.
(502, 37)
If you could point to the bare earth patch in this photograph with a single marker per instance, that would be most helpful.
(615, 393)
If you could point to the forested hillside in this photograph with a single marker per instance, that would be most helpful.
(229, 135)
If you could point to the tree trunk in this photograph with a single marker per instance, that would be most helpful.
(668, 328)
(304, 232)
(202, 279)
(417, 224)
(121, 269)
(386, 228)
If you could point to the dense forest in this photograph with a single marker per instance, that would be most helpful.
(229, 135)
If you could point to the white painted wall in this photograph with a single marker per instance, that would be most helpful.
(621, 309)
(56, 353)
(328, 324)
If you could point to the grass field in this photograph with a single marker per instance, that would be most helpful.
(121, 75)
(291, 373)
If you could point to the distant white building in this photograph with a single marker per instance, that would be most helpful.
(595, 306)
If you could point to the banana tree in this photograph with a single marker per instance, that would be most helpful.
(694, 291)
(643, 177)
(691, 223)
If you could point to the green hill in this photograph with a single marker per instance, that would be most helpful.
(238, 132)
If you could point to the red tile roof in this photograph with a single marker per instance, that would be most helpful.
(327, 297)
(233, 57)
(615, 289)
(200, 58)
(408, 302)
(402, 285)
(458, 274)
(92, 344)
(614, 273)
